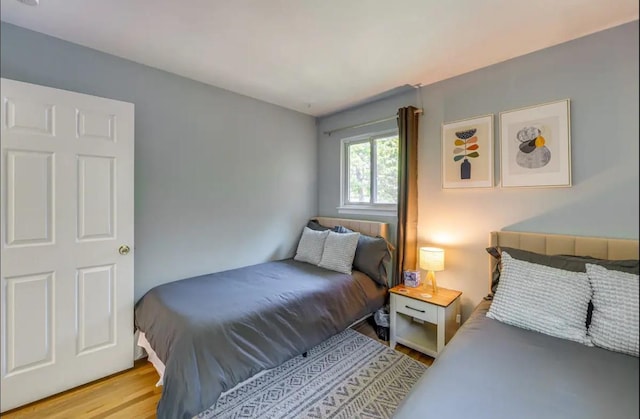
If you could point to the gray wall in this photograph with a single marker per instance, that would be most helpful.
(221, 180)
(599, 73)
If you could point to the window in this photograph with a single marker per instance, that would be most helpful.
(370, 174)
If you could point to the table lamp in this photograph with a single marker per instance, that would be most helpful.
(432, 261)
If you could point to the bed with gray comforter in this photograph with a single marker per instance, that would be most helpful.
(215, 331)
(494, 370)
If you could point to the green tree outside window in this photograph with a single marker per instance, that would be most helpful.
(373, 171)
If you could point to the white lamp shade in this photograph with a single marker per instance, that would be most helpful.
(432, 259)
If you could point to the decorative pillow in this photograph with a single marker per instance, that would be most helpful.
(311, 246)
(615, 320)
(339, 250)
(564, 262)
(372, 253)
(315, 225)
(543, 299)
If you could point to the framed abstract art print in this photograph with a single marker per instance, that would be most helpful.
(535, 146)
(467, 153)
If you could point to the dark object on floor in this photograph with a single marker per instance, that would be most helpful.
(304, 355)
(383, 333)
(381, 320)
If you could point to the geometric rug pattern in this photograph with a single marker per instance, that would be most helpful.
(348, 376)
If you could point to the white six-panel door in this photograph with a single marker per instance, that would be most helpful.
(66, 222)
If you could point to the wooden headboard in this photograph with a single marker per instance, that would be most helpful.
(558, 244)
(370, 228)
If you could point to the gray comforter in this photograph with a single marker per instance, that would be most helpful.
(493, 370)
(215, 331)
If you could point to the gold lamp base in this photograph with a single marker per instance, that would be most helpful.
(431, 278)
(429, 287)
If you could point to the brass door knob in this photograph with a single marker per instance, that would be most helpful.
(124, 249)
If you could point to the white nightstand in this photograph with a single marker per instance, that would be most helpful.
(423, 324)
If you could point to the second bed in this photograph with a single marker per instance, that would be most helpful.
(215, 331)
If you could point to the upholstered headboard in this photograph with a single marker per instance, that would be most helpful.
(557, 244)
(370, 228)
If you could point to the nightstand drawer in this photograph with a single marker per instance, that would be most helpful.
(416, 308)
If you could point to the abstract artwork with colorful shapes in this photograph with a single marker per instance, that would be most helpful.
(466, 146)
(532, 154)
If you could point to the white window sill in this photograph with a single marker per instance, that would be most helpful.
(391, 211)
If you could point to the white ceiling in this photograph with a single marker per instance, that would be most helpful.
(318, 56)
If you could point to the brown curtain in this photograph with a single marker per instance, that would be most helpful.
(407, 230)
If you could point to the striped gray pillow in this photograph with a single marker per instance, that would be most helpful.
(615, 320)
(310, 246)
(339, 251)
(543, 299)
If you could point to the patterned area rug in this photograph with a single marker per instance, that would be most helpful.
(348, 376)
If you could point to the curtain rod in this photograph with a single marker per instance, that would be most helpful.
(366, 124)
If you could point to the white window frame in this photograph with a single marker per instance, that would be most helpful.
(347, 207)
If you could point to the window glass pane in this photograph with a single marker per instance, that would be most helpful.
(387, 166)
(360, 172)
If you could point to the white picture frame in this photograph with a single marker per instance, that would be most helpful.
(535, 146)
(467, 153)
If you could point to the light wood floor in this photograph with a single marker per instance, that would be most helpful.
(132, 393)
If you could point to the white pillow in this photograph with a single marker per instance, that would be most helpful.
(339, 251)
(311, 245)
(615, 318)
(543, 299)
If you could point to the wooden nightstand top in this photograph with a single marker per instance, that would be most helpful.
(444, 297)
